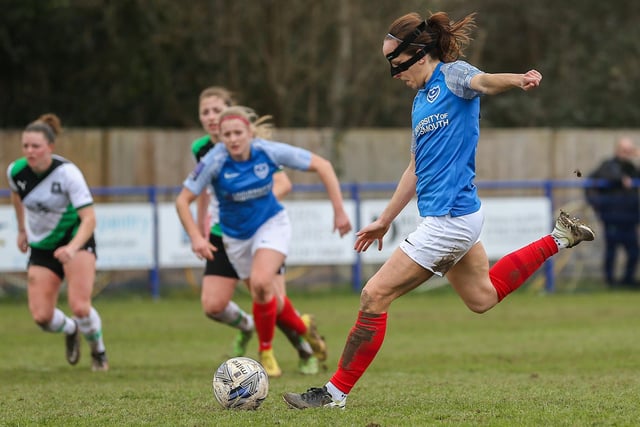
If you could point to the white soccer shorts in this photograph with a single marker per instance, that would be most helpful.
(274, 234)
(441, 241)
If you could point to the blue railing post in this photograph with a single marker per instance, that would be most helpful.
(356, 270)
(548, 265)
(154, 273)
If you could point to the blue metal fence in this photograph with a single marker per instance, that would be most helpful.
(354, 190)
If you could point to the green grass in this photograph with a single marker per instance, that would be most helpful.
(559, 360)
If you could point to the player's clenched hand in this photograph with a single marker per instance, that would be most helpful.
(203, 248)
(341, 223)
(369, 234)
(64, 254)
(23, 244)
(530, 80)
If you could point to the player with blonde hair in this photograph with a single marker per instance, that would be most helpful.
(253, 223)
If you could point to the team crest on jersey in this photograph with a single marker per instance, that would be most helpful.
(261, 170)
(56, 188)
(433, 94)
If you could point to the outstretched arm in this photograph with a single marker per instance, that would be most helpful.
(492, 84)
(405, 190)
(328, 176)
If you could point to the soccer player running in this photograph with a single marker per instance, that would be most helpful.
(220, 278)
(445, 119)
(255, 227)
(56, 221)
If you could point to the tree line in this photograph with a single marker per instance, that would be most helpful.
(142, 63)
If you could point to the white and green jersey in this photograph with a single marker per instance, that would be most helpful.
(199, 148)
(51, 200)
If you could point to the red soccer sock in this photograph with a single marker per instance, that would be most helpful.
(513, 269)
(264, 316)
(290, 319)
(363, 343)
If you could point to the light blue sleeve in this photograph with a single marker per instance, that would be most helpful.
(457, 76)
(207, 169)
(284, 154)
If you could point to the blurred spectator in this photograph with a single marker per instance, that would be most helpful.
(617, 204)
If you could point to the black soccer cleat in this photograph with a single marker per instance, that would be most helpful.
(72, 346)
(315, 397)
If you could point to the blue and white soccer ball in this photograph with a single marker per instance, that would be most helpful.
(240, 383)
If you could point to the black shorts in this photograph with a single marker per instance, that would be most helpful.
(220, 266)
(44, 258)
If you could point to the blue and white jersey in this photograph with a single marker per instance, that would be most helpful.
(445, 120)
(244, 189)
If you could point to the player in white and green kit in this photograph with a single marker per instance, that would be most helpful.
(56, 221)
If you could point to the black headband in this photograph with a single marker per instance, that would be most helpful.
(408, 41)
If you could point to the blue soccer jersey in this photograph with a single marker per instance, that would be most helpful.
(244, 189)
(445, 120)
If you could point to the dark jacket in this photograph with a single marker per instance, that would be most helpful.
(610, 199)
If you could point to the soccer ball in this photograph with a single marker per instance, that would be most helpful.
(240, 383)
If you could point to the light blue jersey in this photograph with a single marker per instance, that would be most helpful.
(445, 120)
(244, 189)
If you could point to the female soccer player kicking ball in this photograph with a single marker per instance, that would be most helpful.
(445, 119)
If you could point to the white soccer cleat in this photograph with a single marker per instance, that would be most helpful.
(571, 230)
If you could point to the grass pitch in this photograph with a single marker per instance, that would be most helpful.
(555, 360)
